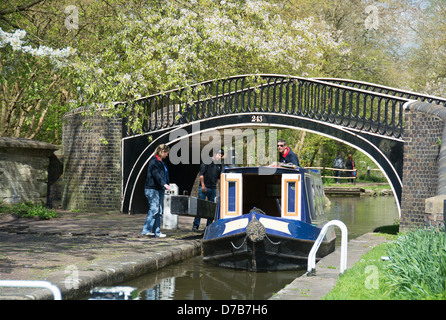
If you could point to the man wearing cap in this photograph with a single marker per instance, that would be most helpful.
(209, 177)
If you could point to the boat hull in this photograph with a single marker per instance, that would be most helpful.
(259, 248)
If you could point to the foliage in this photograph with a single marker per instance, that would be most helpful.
(417, 269)
(176, 44)
(29, 210)
(315, 150)
(426, 59)
(28, 96)
(32, 98)
(155, 46)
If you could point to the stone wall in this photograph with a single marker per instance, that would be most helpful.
(24, 170)
(422, 136)
(92, 161)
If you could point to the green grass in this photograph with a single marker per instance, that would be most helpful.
(371, 186)
(366, 280)
(416, 270)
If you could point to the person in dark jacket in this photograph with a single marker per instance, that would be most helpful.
(156, 183)
(286, 155)
(209, 177)
(350, 165)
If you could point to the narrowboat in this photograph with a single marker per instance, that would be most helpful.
(267, 219)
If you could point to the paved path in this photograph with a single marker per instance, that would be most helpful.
(315, 287)
(95, 249)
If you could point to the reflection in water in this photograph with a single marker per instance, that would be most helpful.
(363, 214)
(196, 280)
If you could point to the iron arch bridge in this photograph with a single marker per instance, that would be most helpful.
(365, 116)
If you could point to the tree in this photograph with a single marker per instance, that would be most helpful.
(35, 84)
(128, 49)
(427, 56)
(28, 85)
(167, 45)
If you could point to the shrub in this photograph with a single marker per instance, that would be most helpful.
(29, 210)
(417, 269)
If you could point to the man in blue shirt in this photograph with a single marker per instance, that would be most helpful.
(286, 155)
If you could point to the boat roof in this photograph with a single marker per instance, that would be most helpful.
(266, 170)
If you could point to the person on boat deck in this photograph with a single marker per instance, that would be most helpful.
(209, 177)
(156, 183)
(286, 155)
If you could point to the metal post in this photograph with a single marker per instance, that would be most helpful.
(311, 268)
(33, 284)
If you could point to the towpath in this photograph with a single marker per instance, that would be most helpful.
(77, 252)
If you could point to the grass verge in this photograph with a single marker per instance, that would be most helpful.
(416, 270)
(366, 280)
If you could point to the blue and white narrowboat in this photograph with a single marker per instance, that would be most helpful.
(267, 219)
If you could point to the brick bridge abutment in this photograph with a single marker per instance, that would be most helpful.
(424, 166)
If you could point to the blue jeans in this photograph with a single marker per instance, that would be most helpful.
(210, 195)
(153, 219)
(337, 174)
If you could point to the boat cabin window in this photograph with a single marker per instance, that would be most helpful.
(232, 196)
(291, 199)
(315, 198)
(291, 196)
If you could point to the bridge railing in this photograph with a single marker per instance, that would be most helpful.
(386, 90)
(314, 99)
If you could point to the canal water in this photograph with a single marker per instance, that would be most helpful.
(196, 280)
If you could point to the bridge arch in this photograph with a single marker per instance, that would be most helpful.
(386, 153)
(387, 124)
(369, 121)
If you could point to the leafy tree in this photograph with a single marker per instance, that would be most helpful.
(427, 56)
(136, 49)
(130, 49)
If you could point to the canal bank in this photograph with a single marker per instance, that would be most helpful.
(98, 249)
(327, 270)
(77, 252)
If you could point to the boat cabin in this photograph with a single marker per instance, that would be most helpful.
(295, 194)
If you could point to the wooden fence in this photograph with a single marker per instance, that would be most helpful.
(343, 175)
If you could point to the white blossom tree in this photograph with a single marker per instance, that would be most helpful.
(154, 46)
(27, 80)
(173, 45)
